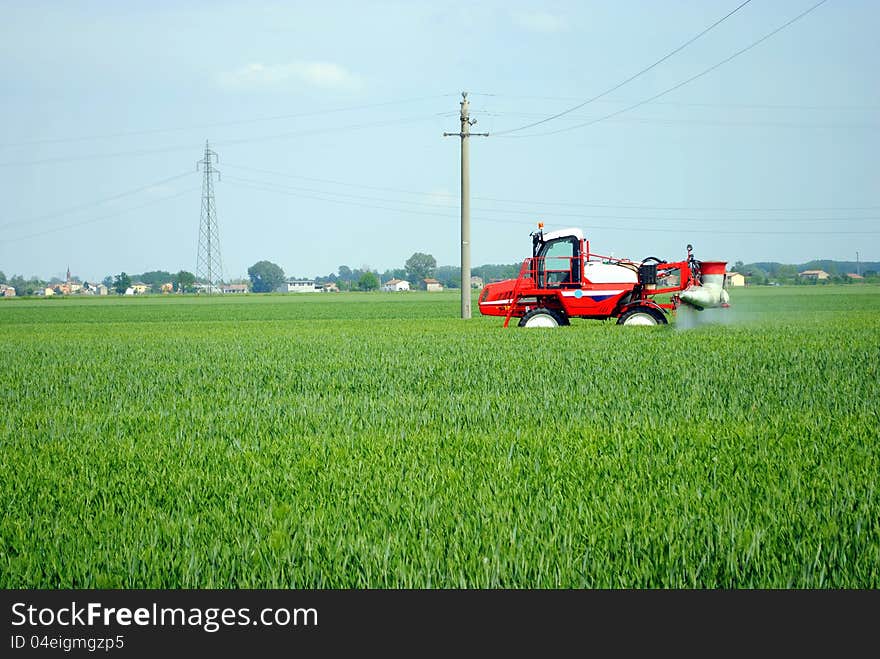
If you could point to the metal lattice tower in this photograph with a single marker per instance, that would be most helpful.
(209, 266)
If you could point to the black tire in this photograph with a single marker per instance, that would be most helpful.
(543, 317)
(642, 316)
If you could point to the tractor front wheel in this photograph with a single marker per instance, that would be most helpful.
(543, 317)
(642, 316)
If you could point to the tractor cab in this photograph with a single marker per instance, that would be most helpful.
(557, 258)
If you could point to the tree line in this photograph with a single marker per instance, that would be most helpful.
(265, 276)
(182, 281)
(769, 273)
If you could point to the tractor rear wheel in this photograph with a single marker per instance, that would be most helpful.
(642, 316)
(543, 317)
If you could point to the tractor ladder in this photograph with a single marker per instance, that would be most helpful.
(514, 294)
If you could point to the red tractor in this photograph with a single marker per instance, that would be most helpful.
(564, 280)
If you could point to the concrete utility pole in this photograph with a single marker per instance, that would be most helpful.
(466, 123)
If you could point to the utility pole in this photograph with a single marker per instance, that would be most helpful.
(858, 265)
(209, 266)
(466, 123)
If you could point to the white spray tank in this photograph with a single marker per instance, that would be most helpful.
(709, 292)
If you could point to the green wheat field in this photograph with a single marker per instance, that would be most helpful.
(378, 441)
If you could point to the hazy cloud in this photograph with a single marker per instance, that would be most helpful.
(539, 21)
(268, 76)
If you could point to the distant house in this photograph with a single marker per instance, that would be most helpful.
(48, 291)
(815, 275)
(139, 288)
(853, 276)
(735, 279)
(432, 285)
(393, 285)
(129, 291)
(100, 289)
(330, 287)
(298, 286)
(476, 282)
(167, 287)
(234, 288)
(68, 286)
(206, 289)
(7, 291)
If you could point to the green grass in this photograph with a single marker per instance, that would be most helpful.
(362, 441)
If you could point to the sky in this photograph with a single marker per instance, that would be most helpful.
(328, 120)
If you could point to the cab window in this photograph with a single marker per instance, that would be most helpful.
(559, 266)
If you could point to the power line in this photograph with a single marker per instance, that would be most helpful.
(96, 156)
(102, 217)
(742, 106)
(96, 202)
(707, 122)
(325, 180)
(544, 214)
(532, 202)
(278, 189)
(325, 192)
(220, 124)
(681, 84)
(630, 79)
(333, 129)
(692, 208)
(261, 138)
